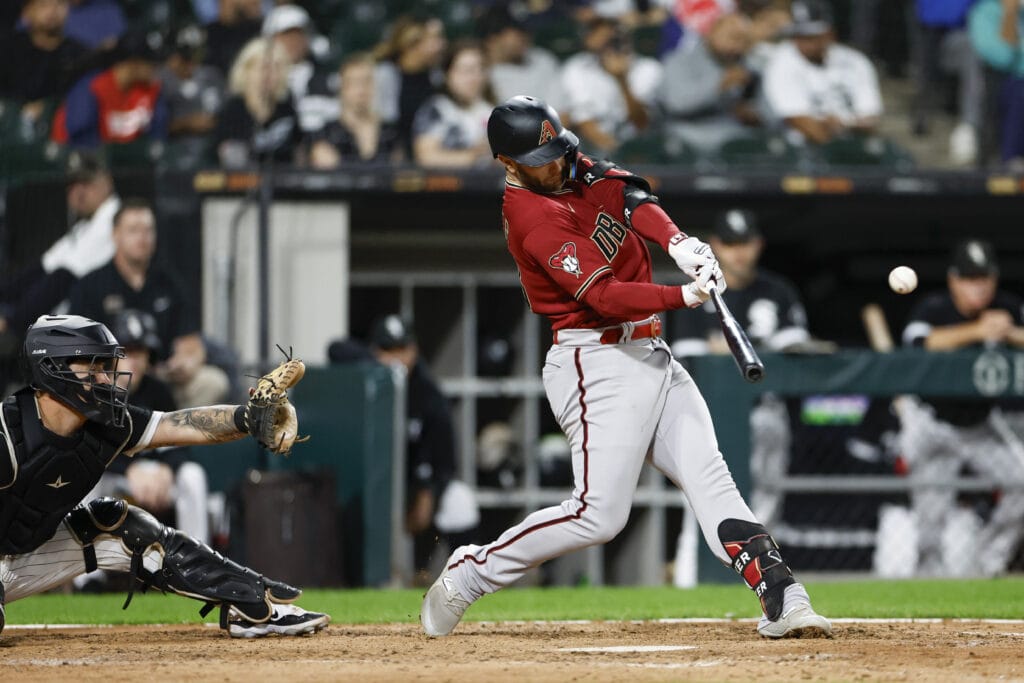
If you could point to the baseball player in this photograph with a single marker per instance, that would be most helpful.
(940, 435)
(59, 434)
(576, 229)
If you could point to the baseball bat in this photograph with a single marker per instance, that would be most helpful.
(742, 350)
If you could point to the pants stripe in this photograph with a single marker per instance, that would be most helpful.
(583, 495)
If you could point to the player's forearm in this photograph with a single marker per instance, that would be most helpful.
(197, 426)
(616, 299)
(951, 337)
(652, 223)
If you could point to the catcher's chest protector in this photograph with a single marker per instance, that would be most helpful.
(48, 481)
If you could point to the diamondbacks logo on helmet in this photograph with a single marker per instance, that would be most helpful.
(566, 259)
(547, 132)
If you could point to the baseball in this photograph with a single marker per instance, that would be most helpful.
(902, 279)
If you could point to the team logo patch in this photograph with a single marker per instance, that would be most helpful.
(547, 132)
(566, 259)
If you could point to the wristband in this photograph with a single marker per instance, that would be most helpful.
(240, 423)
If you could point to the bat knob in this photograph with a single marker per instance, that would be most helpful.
(753, 373)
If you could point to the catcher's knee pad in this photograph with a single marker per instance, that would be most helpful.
(189, 568)
(756, 557)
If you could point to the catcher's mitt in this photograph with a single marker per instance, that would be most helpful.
(269, 417)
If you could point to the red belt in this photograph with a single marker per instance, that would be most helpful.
(613, 335)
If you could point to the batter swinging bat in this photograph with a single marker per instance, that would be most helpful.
(742, 350)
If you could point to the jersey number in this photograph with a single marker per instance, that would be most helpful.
(608, 235)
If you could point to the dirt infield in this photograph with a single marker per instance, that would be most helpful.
(946, 651)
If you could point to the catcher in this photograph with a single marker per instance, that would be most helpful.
(59, 434)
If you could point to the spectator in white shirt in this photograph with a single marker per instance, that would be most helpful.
(818, 89)
(87, 245)
(609, 90)
(450, 129)
(517, 66)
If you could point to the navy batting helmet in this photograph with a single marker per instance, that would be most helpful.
(52, 343)
(528, 131)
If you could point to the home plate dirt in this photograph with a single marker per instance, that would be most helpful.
(520, 653)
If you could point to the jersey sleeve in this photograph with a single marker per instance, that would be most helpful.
(919, 324)
(137, 431)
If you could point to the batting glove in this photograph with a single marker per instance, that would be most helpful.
(690, 254)
(697, 292)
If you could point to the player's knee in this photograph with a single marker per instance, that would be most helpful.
(607, 524)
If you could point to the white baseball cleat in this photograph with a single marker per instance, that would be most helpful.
(443, 606)
(798, 620)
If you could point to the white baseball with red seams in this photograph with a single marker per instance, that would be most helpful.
(902, 279)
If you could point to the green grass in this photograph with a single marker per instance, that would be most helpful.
(997, 598)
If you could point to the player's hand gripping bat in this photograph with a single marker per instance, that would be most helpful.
(742, 350)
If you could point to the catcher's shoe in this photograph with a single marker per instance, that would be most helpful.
(286, 620)
(798, 620)
(443, 606)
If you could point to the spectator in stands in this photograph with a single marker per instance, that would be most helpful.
(131, 280)
(718, 101)
(86, 246)
(609, 91)
(818, 89)
(408, 71)
(629, 14)
(765, 303)
(516, 65)
(939, 436)
(97, 24)
(308, 79)
(164, 482)
(942, 44)
(359, 135)
(437, 503)
(450, 129)
(237, 23)
(119, 105)
(259, 120)
(997, 33)
(194, 92)
(40, 61)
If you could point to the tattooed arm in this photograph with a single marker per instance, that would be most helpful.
(197, 426)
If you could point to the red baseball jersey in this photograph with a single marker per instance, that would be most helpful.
(580, 262)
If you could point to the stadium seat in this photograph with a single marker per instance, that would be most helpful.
(656, 148)
(137, 154)
(758, 150)
(19, 160)
(560, 35)
(864, 150)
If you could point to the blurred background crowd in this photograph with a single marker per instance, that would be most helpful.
(324, 84)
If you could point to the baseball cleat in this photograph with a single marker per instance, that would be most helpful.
(286, 620)
(443, 606)
(798, 620)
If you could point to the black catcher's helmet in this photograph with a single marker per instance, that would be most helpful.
(53, 342)
(529, 131)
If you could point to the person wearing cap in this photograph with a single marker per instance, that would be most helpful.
(164, 482)
(194, 92)
(438, 506)
(766, 304)
(939, 435)
(290, 27)
(816, 88)
(119, 105)
(86, 246)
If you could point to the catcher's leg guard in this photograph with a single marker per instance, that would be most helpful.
(756, 557)
(188, 568)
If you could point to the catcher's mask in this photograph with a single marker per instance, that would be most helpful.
(528, 131)
(52, 343)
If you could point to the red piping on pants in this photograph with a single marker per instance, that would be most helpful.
(583, 495)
